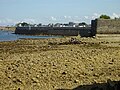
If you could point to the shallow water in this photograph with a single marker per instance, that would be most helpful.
(10, 36)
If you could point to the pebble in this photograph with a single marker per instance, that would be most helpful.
(64, 73)
(76, 81)
(31, 64)
(35, 80)
(37, 76)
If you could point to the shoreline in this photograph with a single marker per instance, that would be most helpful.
(7, 28)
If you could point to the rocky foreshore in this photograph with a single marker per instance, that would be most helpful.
(60, 63)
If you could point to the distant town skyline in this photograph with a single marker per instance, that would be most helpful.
(56, 11)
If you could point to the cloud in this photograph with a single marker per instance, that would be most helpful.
(86, 17)
(90, 17)
(76, 16)
(65, 17)
(95, 15)
(29, 20)
(53, 18)
(114, 15)
(7, 21)
(68, 17)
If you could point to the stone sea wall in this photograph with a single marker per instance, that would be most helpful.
(107, 26)
(64, 31)
(99, 26)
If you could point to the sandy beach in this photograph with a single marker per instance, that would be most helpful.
(59, 63)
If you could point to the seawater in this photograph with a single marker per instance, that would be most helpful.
(10, 36)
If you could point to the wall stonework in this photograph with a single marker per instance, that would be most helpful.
(107, 26)
(64, 31)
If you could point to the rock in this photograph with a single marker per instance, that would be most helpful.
(31, 64)
(64, 73)
(76, 81)
(35, 80)
(96, 88)
(110, 63)
(18, 88)
(15, 80)
(96, 75)
(37, 76)
(112, 84)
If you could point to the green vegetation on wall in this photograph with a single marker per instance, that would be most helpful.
(104, 17)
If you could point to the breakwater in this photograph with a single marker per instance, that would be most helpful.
(63, 31)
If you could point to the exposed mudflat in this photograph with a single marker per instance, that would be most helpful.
(59, 63)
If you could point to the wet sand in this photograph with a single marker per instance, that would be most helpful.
(59, 63)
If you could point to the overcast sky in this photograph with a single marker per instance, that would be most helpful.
(53, 11)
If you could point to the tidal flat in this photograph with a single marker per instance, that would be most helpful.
(59, 63)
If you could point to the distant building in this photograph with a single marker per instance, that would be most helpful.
(50, 25)
(83, 24)
(71, 24)
(39, 25)
(58, 25)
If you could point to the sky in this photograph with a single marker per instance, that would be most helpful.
(56, 11)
